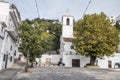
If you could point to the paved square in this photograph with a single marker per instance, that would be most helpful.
(59, 73)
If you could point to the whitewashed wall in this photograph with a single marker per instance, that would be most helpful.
(103, 63)
(0, 53)
(8, 40)
(67, 60)
(4, 10)
(67, 30)
(54, 58)
(9, 48)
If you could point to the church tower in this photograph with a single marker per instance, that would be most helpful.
(67, 26)
(66, 46)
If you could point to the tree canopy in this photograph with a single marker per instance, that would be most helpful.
(96, 36)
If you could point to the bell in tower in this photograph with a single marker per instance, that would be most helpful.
(67, 21)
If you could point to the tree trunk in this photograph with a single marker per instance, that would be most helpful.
(92, 60)
(31, 64)
(26, 66)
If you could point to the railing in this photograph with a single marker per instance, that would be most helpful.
(12, 31)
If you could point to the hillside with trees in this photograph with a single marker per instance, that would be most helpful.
(39, 36)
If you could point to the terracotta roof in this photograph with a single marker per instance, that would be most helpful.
(68, 39)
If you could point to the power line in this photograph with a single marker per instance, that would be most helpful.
(87, 8)
(37, 9)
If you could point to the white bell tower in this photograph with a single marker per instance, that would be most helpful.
(67, 35)
(67, 26)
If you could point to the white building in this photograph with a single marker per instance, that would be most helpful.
(67, 52)
(48, 60)
(109, 62)
(118, 19)
(9, 21)
(68, 55)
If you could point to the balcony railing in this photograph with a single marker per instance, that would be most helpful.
(13, 32)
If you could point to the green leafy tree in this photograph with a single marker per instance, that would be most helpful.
(54, 31)
(96, 37)
(35, 40)
(25, 38)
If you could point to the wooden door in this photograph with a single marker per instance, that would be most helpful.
(75, 62)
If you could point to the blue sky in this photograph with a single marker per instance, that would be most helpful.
(54, 9)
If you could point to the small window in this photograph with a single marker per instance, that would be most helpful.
(4, 57)
(11, 48)
(96, 62)
(68, 21)
(72, 47)
(11, 59)
(7, 36)
(15, 53)
(2, 29)
(70, 52)
(10, 19)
